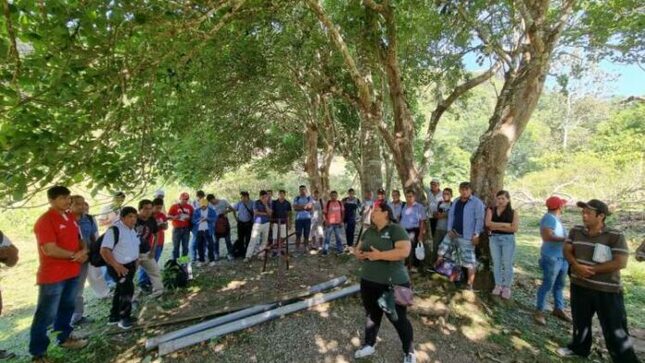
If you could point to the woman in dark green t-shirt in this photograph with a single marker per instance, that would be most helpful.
(383, 249)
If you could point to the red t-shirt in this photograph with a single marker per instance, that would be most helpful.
(177, 210)
(161, 234)
(334, 212)
(53, 227)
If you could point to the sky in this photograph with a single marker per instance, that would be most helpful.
(630, 80)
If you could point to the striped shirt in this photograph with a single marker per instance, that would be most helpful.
(584, 247)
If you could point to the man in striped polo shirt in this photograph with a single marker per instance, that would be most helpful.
(596, 255)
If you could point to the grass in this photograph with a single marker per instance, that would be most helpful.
(506, 329)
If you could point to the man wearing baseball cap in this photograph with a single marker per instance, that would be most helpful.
(180, 214)
(597, 254)
(552, 262)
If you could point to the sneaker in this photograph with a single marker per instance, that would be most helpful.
(113, 321)
(325, 252)
(199, 264)
(565, 352)
(497, 290)
(410, 358)
(366, 351)
(125, 324)
(506, 293)
(74, 343)
(212, 264)
(539, 318)
(560, 314)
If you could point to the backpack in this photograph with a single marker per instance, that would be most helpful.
(222, 227)
(96, 259)
(174, 275)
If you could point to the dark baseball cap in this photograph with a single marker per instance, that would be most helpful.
(380, 191)
(595, 204)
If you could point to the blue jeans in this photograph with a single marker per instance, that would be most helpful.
(56, 304)
(205, 241)
(180, 237)
(336, 229)
(350, 228)
(502, 251)
(142, 277)
(192, 247)
(227, 239)
(303, 227)
(554, 275)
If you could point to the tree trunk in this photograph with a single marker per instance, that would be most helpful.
(514, 107)
(371, 175)
(311, 162)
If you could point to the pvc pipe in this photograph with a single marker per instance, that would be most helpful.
(153, 342)
(186, 341)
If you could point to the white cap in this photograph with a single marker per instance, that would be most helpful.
(160, 193)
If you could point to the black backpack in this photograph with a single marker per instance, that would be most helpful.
(174, 275)
(96, 259)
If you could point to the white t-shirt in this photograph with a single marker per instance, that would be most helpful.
(221, 206)
(127, 248)
(6, 242)
(203, 225)
(433, 202)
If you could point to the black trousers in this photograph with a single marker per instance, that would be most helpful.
(370, 293)
(610, 308)
(122, 300)
(244, 232)
(350, 229)
(412, 258)
(433, 226)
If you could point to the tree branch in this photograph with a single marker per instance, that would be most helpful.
(445, 104)
(485, 37)
(374, 6)
(14, 45)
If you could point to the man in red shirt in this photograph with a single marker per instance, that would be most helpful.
(61, 253)
(180, 214)
(334, 213)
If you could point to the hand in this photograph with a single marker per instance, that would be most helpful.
(360, 254)
(475, 239)
(121, 271)
(439, 262)
(583, 270)
(373, 254)
(452, 234)
(80, 256)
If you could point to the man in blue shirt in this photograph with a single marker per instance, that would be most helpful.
(552, 261)
(302, 204)
(465, 224)
(260, 232)
(351, 205)
(243, 212)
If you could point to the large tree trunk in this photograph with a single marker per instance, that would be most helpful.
(371, 174)
(311, 161)
(513, 110)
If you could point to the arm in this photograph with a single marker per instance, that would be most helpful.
(50, 249)
(479, 219)
(211, 216)
(548, 235)
(400, 252)
(579, 269)
(358, 251)
(489, 218)
(619, 262)
(107, 255)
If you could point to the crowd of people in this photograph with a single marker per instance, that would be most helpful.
(385, 234)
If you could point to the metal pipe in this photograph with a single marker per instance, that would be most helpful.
(186, 341)
(153, 342)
